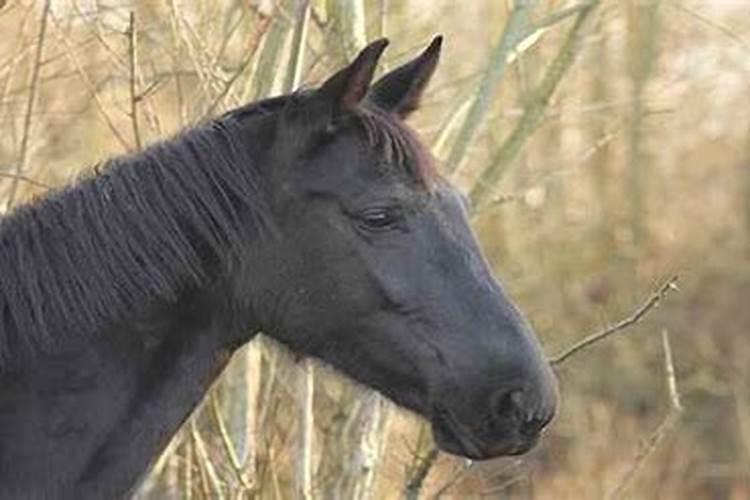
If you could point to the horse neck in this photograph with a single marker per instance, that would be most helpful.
(149, 228)
(124, 290)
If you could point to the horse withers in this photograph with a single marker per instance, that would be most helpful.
(317, 217)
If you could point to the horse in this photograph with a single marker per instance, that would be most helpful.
(317, 217)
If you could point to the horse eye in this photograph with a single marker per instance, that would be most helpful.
(379, 218)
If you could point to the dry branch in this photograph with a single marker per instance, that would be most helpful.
(516, 28)
(227, 444)
(100, 104)
(209, 477)
(453, 480)
(264, 82)
(653, 300)
(31, 103)
(299, 41)
(133, 81)
(534, 111)
(564, 13)
(264, 23)
(661, 431)
(418, 476)
(306, 383)
(712, 23)
(23, 178)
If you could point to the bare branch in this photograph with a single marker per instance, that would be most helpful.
(458, 474)
(674, 395)
(23, 178)
(533, 114)
(712, 23)
(306, 382)
(208, 471)
(661, 431)
(516, 28)
(653, 301)
(133, 68)
(742, 411)
(415, 484)
(24, 153)
(562, 14)
(299, 40)
(227, 444)
(265, 22)
(100, 105)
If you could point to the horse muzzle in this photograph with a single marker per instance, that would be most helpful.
(511, 424)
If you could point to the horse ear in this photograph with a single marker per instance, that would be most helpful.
(400, 90)
(349, 86)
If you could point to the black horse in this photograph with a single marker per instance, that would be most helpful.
(316, 217)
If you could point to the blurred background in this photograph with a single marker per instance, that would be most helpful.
(605, 146)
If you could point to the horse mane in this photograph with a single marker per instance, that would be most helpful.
(145, 228)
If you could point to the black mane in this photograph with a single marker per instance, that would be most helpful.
(144, 228)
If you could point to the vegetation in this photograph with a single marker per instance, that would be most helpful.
(605, 146)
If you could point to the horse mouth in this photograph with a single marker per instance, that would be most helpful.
(454, 438)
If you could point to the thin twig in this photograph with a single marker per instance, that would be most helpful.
(188, 470)
(100, 105)
(205, 464)
(24, 152)
(23, 178)
(562, 14)
(674, 394)
(656, 297)
(8, 69)
(533, 114)
(202, 475)
(516, 27)
(415, 484)
(458, 474)
(743, 417)
(661, 431)
(264, 80)
(299, 41)
(226, 442)
(133, 67)
(712, 24)
(197, 52)
(228, 34)
(306, 381)
(265, 22)
(543, 180)
(99, 35)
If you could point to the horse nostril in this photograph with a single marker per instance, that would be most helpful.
(509, 404)
(533, 426)
(518, 406)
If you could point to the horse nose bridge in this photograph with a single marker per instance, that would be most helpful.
(512, 361)
(487, 300)
(504, 331)
(499, 345)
